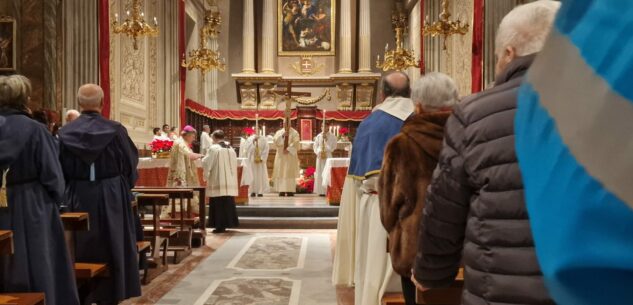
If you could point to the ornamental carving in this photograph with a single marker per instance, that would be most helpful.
(132, 72)
(345, 95)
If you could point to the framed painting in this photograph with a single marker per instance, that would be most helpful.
(7, 44)
(306, 27)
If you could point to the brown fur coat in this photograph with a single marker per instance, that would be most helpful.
(407, 169)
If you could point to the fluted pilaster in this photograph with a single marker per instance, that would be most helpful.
(268, 36)
(345, 56)
(364, 37)
(248, 38)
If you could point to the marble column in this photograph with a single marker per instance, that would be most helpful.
(364, 37)
(345, 56)
(80, 48)
(414, 40)
(268, 36)
(248, 38)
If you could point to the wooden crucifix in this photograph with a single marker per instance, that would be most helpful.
(288, 96)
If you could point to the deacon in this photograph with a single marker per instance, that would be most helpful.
(257, 153)
(99, 161)
(205, 139)
(324, 144)
(374, 274)
(33, 183)
(220, 172)
(286, 168)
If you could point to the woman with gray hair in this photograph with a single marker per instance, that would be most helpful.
(407, 167)
(32, 188)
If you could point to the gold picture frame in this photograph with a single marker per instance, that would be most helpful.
(306, 27)
(8, 39)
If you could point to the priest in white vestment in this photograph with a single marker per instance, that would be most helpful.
(183, 171)
(220, 173)
(257, 153)
(323, 148)
(373, 274)
(286, 169)
(205, 139)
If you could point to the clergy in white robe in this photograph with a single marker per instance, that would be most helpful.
(373, 275)
(205, 139)
(323, 150)
(286, 169)
(220, 173)
(183, 171)
(257, 153)
(242, 152)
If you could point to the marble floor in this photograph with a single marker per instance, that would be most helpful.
(262, 267)
(299, 200)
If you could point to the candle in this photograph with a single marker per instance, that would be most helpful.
(155, 21)
(128, 13)
(116, 17)
(142, 14)
(386, 47)
(377, 58)
(264, 131)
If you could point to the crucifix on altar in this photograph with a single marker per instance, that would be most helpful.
(302, 98)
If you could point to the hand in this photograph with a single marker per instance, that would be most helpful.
(286, 152)
(418, 285)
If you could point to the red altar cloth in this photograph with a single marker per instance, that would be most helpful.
(335, 189)
(157, 177)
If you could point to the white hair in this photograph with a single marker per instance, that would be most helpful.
(435, 91)
(72, 114)
(526, 27)
(89, 95)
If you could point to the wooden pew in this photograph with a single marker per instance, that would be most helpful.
(157, 236)
(33, 298)
(86, 274)
(181, 244)
(6, 242)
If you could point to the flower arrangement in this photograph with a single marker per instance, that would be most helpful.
(160, 148)
(343, 134)
(249, 131)
(305, 184)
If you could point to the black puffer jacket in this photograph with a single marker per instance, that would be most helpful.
(475, 204)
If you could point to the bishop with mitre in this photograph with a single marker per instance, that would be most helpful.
(286, 169)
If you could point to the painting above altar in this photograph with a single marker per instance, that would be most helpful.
(306, 27)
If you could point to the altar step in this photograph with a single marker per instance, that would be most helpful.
(272, 217)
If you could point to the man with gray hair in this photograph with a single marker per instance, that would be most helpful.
(475, 211)
(408, 163)
(99, 163)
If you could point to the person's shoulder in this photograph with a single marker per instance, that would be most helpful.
(478, 106)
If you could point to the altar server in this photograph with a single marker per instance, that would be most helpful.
(205, 139)
(220, 172)
(34, 188)
(374, 273)
(323, 148)
(99, 161)
(286, 169)
(257, 153)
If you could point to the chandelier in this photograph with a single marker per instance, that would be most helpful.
(205, 59)
(444, 27)
(134, 25)
(400, 58)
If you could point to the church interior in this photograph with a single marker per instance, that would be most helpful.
(281, 87)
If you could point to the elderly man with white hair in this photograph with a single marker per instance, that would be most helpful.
(475, 211)
(71, 115)
(407, 166)
(99, 162)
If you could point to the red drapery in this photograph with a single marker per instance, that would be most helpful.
(181, 51)
(271, 114)
(104, 54)
(478, 45)
(422, 18)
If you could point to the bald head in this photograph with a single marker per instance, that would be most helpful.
(90, 97)
(396, 84)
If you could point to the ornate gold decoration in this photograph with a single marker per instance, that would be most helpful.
(444, 27)
(306, 66)
(134, 25)
(400, 58)
(205, 59)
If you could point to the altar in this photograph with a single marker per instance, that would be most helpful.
(153, 173)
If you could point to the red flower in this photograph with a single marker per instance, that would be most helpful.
(343, 131)
(309, 172)
(159, 146)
